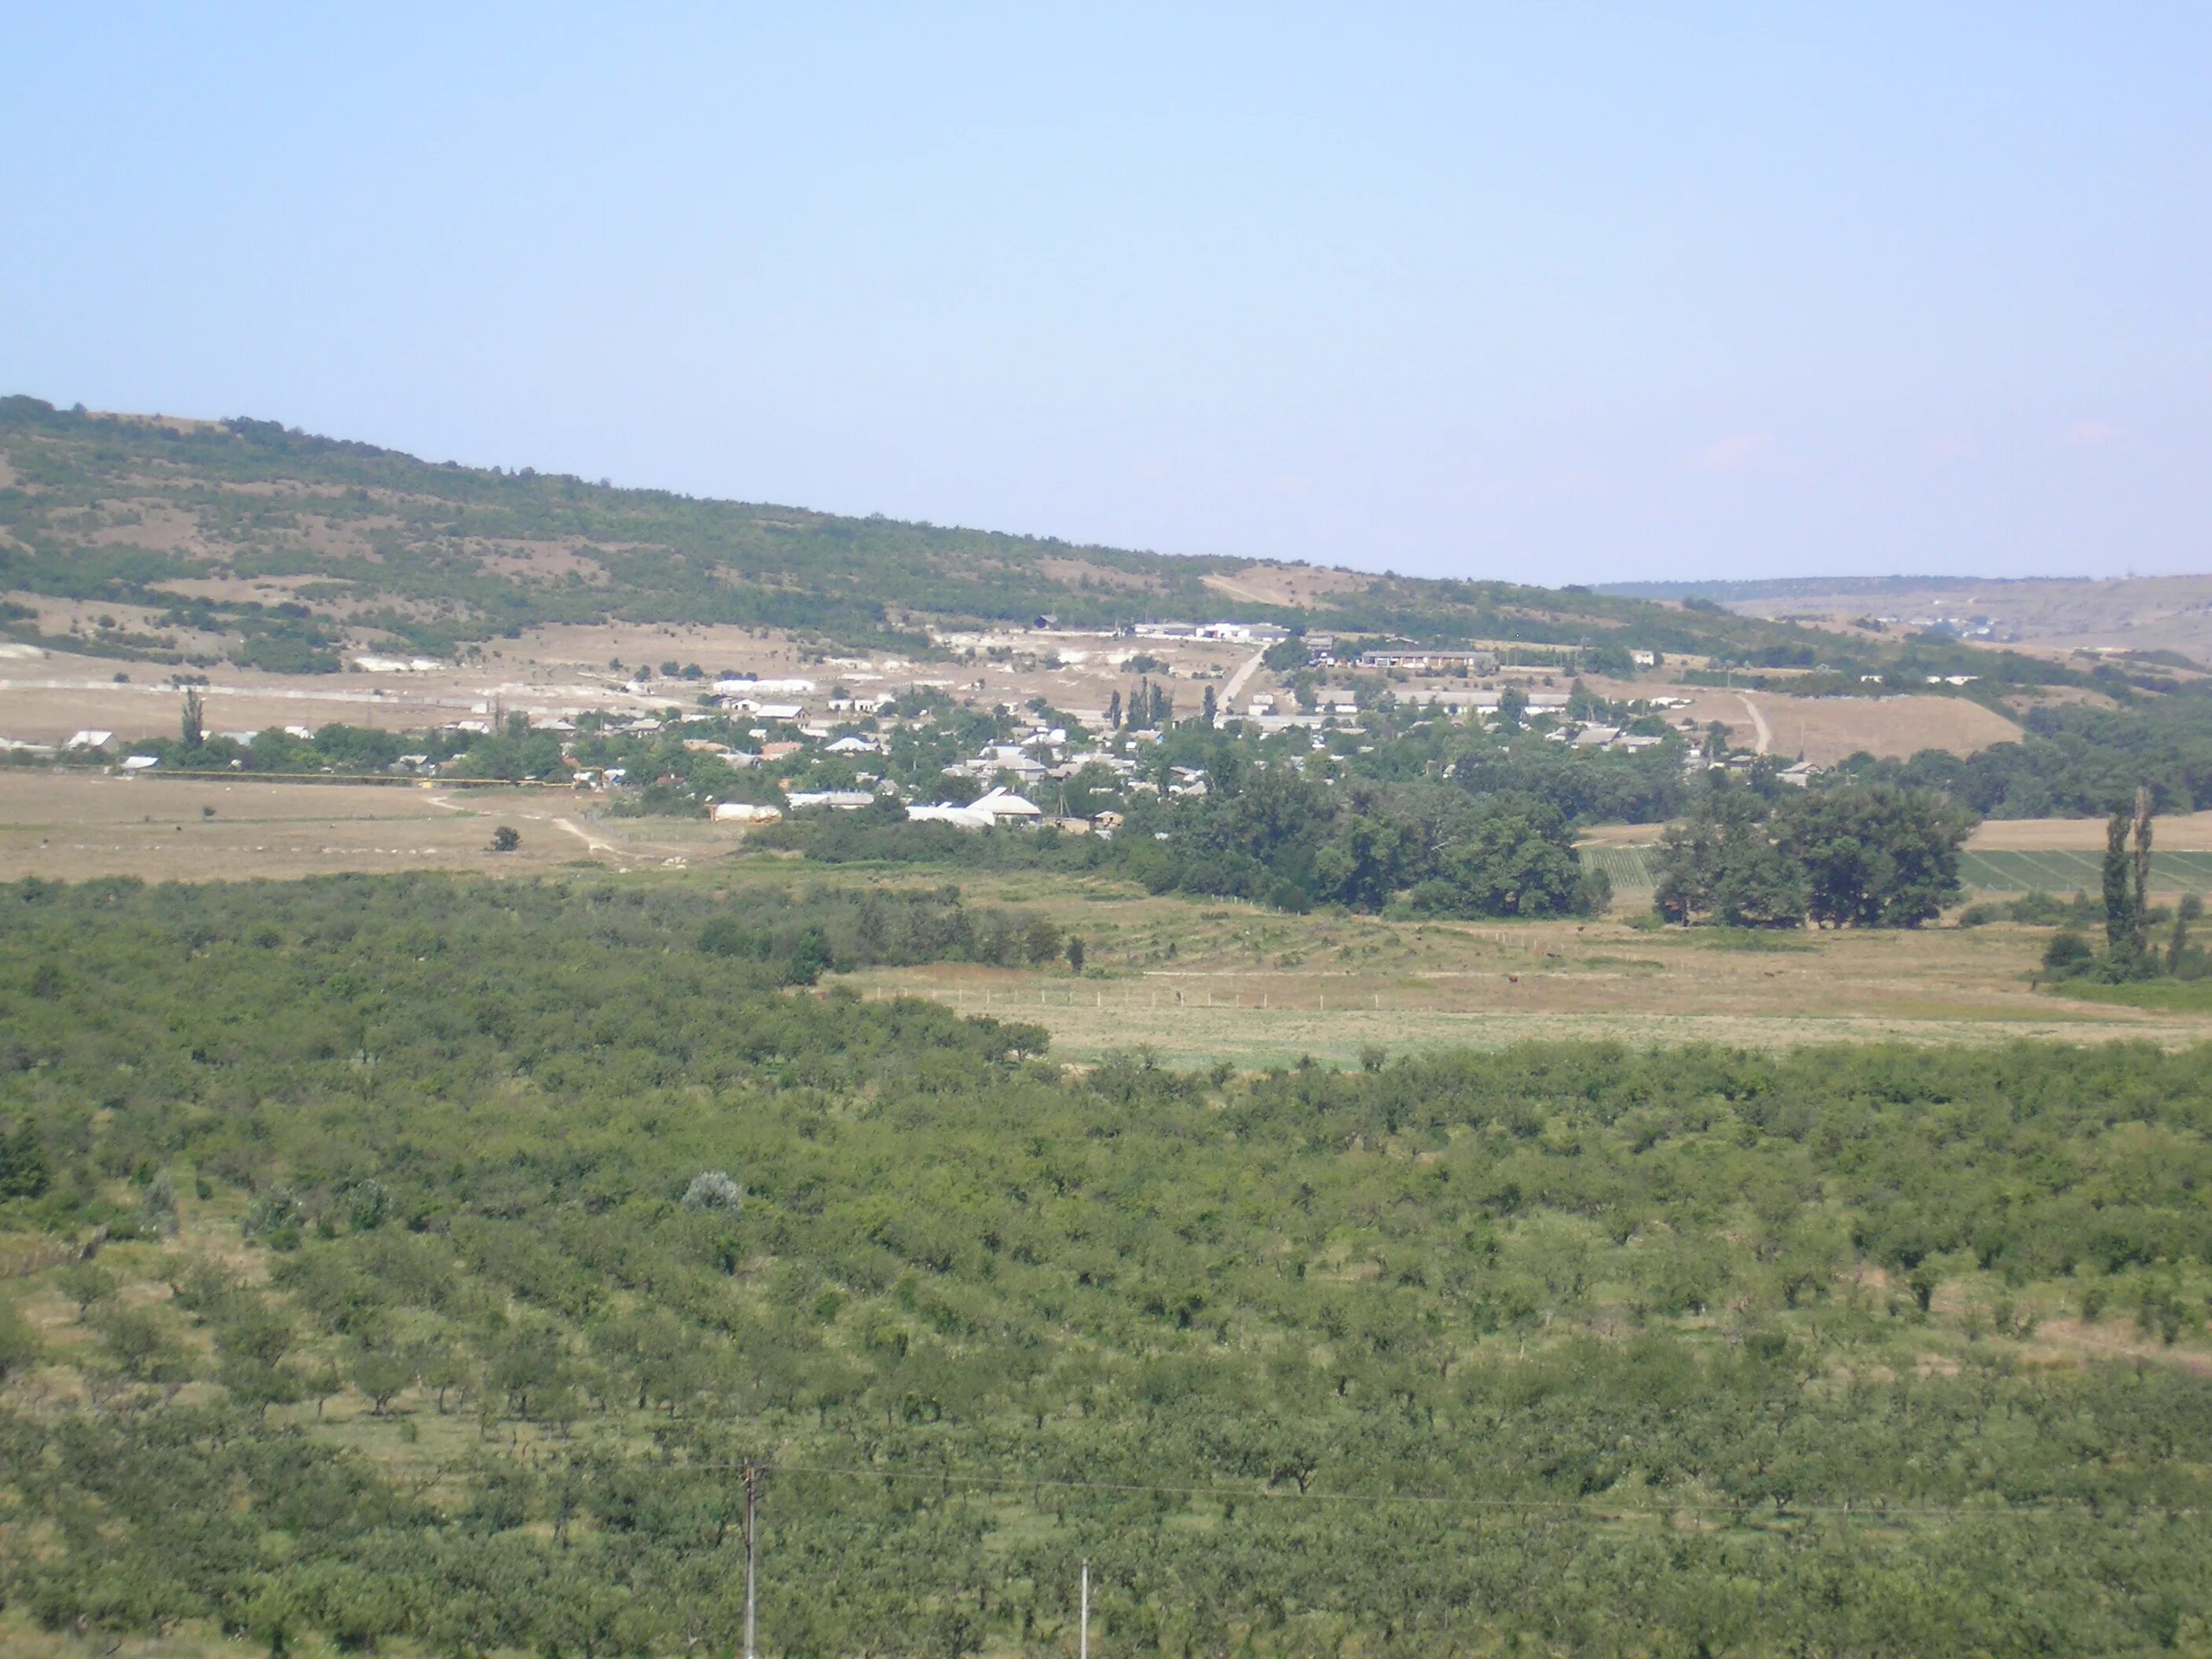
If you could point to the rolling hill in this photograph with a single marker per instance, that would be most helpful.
(247, 541)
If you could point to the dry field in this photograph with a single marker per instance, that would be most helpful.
(1825, 730)
(2189, 834)
(72, 827)
(1198, 983)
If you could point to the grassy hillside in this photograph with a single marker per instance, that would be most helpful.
(373, 545)
(427, 1322)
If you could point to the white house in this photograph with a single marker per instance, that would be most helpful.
(738, 812)
(1006, 807)
(964, 818)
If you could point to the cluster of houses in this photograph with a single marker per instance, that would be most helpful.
(794, 719)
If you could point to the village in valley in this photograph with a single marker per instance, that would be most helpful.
(1047, 706)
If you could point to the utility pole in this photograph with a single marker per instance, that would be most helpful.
(1083, 1626)
(752, 1474)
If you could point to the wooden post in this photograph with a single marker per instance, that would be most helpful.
(751, 1555)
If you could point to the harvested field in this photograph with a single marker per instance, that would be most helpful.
(72, 827)
(1825, 730)
(2190, 833)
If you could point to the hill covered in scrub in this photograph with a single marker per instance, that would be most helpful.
(369, 546)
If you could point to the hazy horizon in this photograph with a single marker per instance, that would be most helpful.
(1561, 299)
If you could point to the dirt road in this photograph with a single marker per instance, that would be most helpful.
(1758, 721)
(1249, 667)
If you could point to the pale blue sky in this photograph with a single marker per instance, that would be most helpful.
(1553, 293)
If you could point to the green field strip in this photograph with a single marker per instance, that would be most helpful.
(1624, 866)
(2192, 873)
(2012, 870)
(2003, 870)
(2065, 870)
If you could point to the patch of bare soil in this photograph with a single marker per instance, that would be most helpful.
(1103, 575)
(541, 562)
(154, 525)
(268, 589)
(1287, 584)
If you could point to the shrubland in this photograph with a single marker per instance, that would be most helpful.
(462, 1239)
(383, 547)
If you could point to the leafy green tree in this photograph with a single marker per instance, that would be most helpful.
(1040, 941)
(23, 1170)
(1723, 863)
(2067, 954)
(1876, 856)
(381, 1370)
(86, 1284)
(144, 1348)
(1517, 864)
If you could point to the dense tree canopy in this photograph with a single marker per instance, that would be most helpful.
(1867, 855)
(1677, 1350)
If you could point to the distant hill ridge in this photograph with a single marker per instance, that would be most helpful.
(205, 520)
(1722, 592)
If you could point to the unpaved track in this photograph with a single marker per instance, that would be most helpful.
(1250, 667)
(1758, 722)
(1235, 590)
(591, 843)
